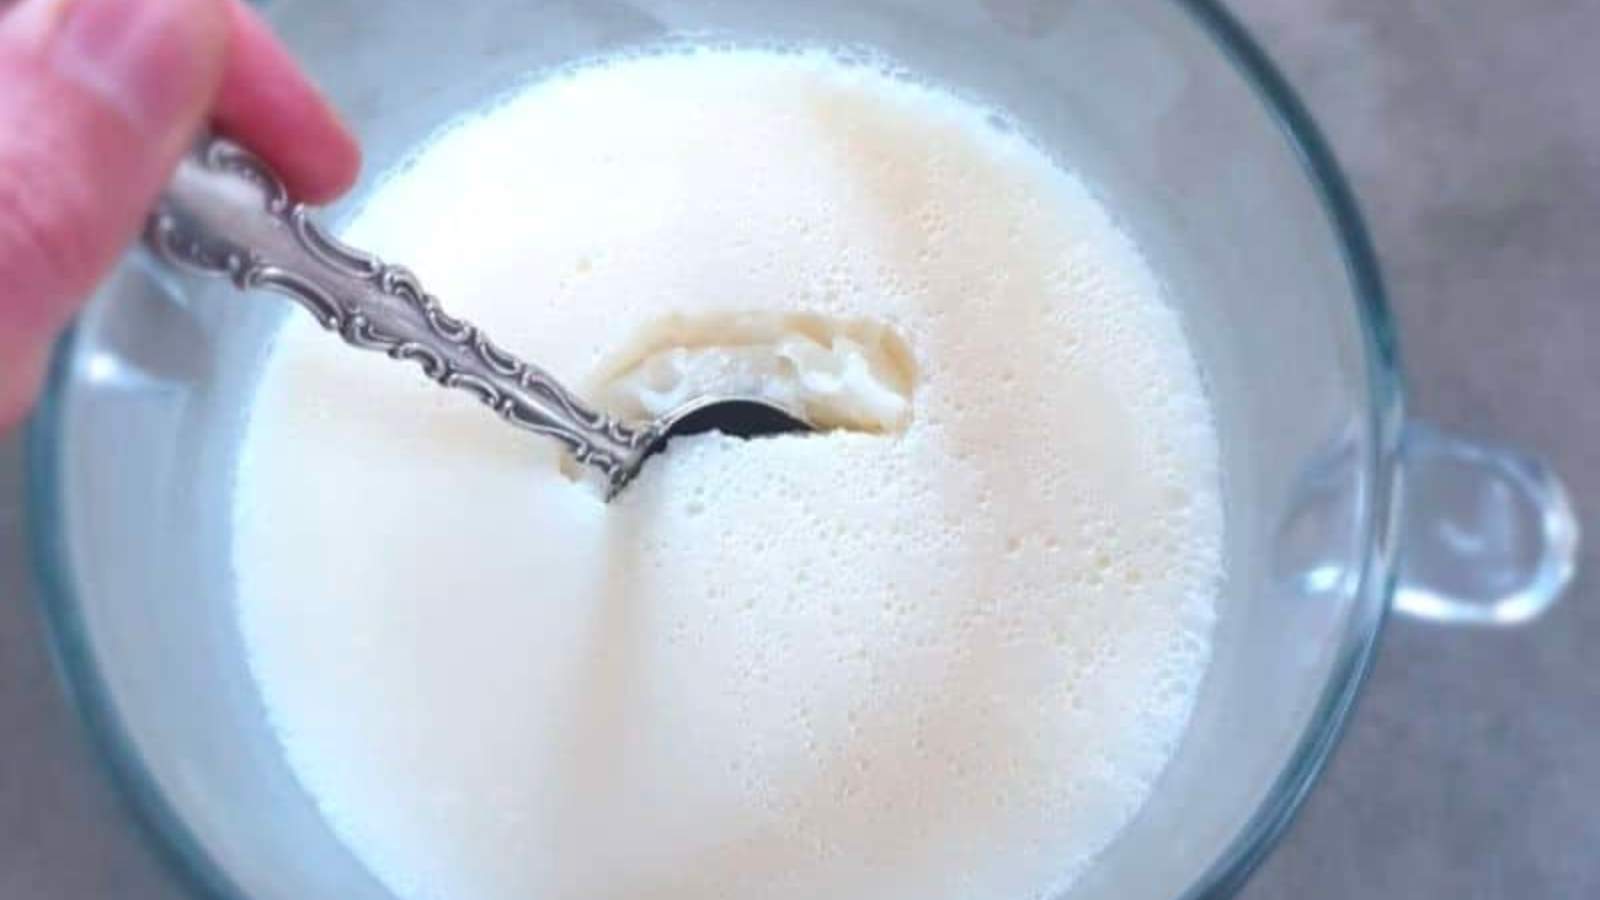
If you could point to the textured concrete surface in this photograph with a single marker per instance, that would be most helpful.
(1473, 765)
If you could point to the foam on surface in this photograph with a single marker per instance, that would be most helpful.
(944, 662)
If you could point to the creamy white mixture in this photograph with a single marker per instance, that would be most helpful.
(940, 657)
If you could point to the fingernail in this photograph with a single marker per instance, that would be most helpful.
(145, 58)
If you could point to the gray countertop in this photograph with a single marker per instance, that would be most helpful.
(1473, 764)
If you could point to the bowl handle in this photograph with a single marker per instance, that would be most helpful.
(1488, 534)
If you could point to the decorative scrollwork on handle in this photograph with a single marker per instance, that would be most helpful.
(226, 214)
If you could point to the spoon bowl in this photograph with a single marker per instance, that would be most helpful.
(742, 417)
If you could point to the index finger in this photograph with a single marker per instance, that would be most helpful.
(268, 104)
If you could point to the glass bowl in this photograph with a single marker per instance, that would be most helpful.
(1202, 153)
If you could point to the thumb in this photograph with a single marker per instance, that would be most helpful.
(98, 99)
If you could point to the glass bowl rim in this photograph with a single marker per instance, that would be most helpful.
(171, 839)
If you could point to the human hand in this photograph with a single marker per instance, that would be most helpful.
(98, 101)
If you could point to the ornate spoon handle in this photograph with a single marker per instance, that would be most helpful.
(226, 214)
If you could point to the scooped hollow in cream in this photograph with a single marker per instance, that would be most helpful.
(853, 374)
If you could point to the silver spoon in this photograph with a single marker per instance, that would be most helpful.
(225, 213)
